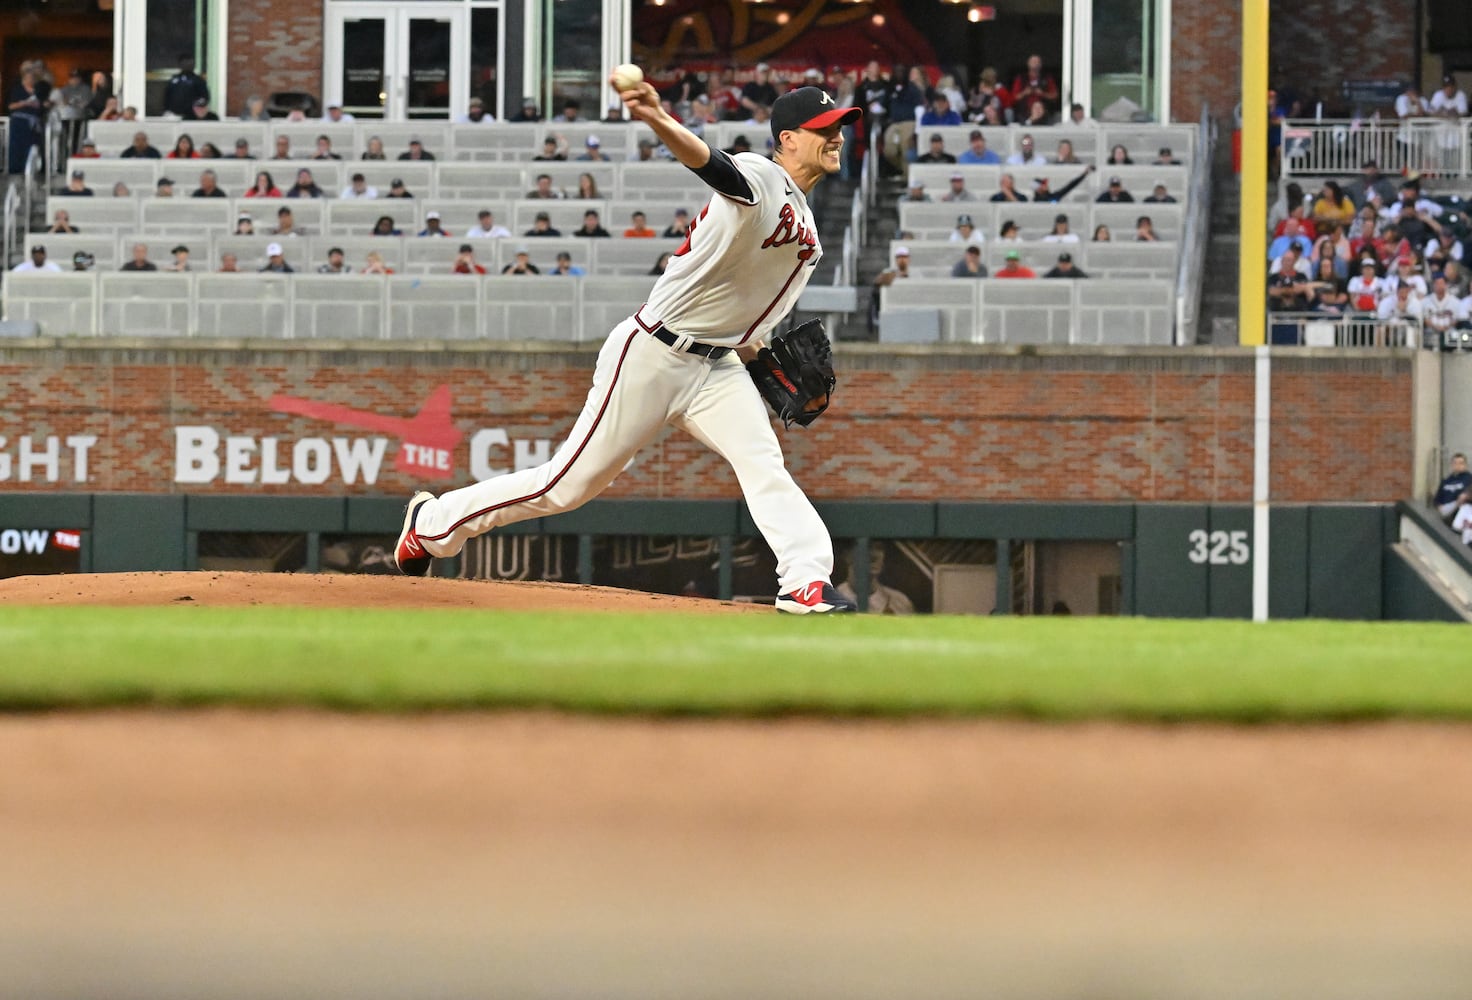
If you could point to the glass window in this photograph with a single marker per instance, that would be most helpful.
(364, 86)
(576, 58)
(429, 68)
(1124, 48)
(177, 29)
(485, 57)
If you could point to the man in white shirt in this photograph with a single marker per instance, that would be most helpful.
(1026, 156)
(336, 115)
(1405, 274)
(1450, 103)
(38, 262)
(1291, 259)
(1441, 310)
(1365, 289)
(1403, 303)
(358, 189)
(486, 227)
(476, 114)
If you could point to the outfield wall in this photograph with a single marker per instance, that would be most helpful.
(928, 424)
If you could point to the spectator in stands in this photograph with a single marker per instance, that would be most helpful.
(432, 225)
(940, 112)
(542, 226)
(522, 264)
(100, 91)
(276, 261)
(324, 149)
(591, 225)
(184, 88)
(476, 114)
(1007, 190)
(1445, 247)
(38, 262)
(111, 112)
(1101, 234)
(1405, 274)
(1065, 268)
(1118, 155)
(264, 186)
(639, 227)
(229, 264)
(1333, 205)
(1333, 246)
(286, 224)
(83, 261)
(1462, 519)
(1454, 489)
(1457, 280)
(759, 92)
(1034, 85)
(1365, 289)
(76, 186)
(1288, 287)
(180, 263)
(396, 189)
(336, 263)
(1417, 227)
(572, 110)
(1295, 259)
(679, 226)
(965, 232)
(1041, 191)
(209, 151)
(242, 150)
(660, 264)
(1165, 158)
(1061, 233)
(1009, 233)
(565, 266)
(958, 190)
(554, 147)
(904, 95)
(283, 148)
(201, 111)
(1291, 237)
(164, 188)
(1078, 115)
(88, 151)
(374, 264)
(588, 186)
(1160, 196)
(139, 261)
(1331, 291)
(593, 150)
(209, 186)
(245, 225)
(1014, 268)
(374, 149)
(385, 227)
(916, 191)
(937, 151)
(1403, 304)
(486, 228)
(1115, 193)
(1441, 311)
(1370, 183)
(528, 112)
(183, 149)
(977, 152)
(255, 110)
(1026, 155)
(335, 115)
(987, 93)
(358, 189)
(648, 151)
(1450, 103)
(544, 188)
(887, 277)
(465, 262)
(140, 149)
(61, 222)
(416, 151)
(970, 265)
(1065, 153)
(740, 144)
(130, 114)
(305, 186)
(1038, 116)
(1145, 230)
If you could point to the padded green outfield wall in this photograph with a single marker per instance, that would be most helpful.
(1176, 560)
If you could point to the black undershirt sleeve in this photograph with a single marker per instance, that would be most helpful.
(720, 173)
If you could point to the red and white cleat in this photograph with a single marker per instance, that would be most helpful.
(409, 554)
(816, 598)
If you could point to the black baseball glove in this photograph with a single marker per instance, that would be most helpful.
(795, 374)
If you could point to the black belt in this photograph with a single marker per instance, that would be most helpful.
(699, 350)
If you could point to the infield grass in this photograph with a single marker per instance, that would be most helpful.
(742, 665)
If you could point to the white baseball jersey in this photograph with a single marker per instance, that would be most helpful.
(1443, 313)
(743, 265)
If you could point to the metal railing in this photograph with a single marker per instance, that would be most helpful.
(1195, 235)
(1431, 147)
(12, 229)
(1314, 329)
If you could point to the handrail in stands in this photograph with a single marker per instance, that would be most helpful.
(1195, 234)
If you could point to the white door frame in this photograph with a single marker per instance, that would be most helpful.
(396, 40)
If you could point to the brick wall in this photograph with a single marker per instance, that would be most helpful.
(276, 45)
(991, 427)
(1205, 58)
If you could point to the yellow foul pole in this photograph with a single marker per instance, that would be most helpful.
(1252, 269)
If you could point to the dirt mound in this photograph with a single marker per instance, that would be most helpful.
(320, 590)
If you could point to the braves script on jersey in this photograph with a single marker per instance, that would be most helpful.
(743, 265)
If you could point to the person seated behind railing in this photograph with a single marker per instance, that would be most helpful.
(1371, 182)
(1441, 312)
(1454, 488)
(1288, 286)
(1366, 288)
(1333, 205)
(1331, 293)
(1292, 236)
(1333, 247)
(1457, 279)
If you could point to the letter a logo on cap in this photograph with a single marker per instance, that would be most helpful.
(826, 98)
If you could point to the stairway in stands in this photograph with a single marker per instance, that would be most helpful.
(1218, 323)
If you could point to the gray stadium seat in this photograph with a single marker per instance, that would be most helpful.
(434, 307)
(339, 307)
(255, 306)
(63, 305)
(145, 304)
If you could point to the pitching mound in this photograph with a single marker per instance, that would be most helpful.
(311, 590)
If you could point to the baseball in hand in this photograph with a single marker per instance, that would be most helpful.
(627, 76)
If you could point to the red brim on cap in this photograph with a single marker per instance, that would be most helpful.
(840, 115)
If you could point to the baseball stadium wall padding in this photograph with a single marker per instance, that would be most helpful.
(959, 424)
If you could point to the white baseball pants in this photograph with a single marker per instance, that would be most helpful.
(639, 385)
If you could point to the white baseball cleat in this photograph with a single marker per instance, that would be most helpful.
(816, 598)
(409, 554)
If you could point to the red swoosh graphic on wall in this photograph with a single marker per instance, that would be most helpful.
(428, 439)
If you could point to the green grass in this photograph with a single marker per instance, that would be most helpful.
(745, 665)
